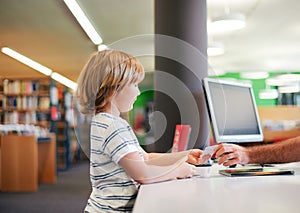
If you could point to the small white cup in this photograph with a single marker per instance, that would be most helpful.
(203, 171)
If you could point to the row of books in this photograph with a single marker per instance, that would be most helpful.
(32, 117)
(24, 129)
(23, 87)
(26, 102)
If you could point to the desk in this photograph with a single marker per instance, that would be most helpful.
(19, 166)
(24, 163)
(221, 194)
(47, 159)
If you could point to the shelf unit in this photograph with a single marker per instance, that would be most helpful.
(279, 114)
(25, 101)
(60, 124)
(39, 102)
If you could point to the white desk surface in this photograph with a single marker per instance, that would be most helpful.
(221, 194)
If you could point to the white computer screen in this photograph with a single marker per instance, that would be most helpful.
(233, 111)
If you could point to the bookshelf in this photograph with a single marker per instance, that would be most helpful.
(280, 122)
(62, 126)
(39, 102)
(25, 101)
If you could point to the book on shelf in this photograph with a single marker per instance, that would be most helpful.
(181, 137)
(15, 117)
(20, 86)
(25, 102)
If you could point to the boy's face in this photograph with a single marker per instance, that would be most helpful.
(125, 98)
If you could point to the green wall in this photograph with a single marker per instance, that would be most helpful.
(257, 85)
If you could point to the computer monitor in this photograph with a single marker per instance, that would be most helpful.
(233, 112)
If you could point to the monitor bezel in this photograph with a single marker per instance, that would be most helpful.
(230, 138)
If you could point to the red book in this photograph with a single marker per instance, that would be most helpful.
(54, 114)
(181, 137)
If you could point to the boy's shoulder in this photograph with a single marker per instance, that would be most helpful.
(110, 120)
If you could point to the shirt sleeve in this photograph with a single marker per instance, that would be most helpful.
(120, 141)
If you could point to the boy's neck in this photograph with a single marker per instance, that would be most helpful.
(113, 109)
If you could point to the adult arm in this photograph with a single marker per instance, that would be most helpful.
(279, 152)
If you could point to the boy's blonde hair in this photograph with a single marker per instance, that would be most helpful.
(105, 73)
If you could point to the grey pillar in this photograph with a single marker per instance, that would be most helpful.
(180, 64)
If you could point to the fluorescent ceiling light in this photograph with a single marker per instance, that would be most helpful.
(63, 80)
(254, 75)
(215, 49)
(44, 70)
(268, 94)
(228, 22)
(84, 21)
(27, 61)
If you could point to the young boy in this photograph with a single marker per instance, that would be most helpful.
(107, 86)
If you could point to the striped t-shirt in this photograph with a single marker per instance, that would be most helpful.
(112, 189)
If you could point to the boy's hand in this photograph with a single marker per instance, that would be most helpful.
(194, 156)
(186, 170)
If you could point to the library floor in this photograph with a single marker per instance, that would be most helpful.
(68, 194)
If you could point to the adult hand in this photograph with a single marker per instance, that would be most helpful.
(230, 154)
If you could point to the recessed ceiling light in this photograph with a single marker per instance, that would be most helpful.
(285, 79)
(254, 75)
(268, 94)
(292, 88)
(228, 22)
(215, 49)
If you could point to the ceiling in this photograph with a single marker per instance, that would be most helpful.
(47, 32)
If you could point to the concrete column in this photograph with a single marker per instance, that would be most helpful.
(180, 64)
